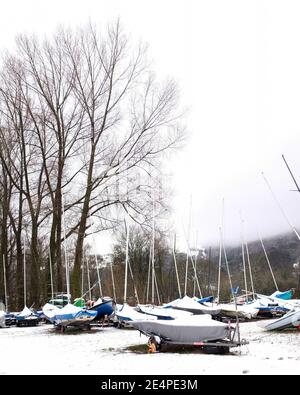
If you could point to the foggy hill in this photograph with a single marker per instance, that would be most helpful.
(283, 252)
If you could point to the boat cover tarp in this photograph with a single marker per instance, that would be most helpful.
(163, 313)
(287, 295)
(49, 310)
(70, 315)
(128, 313)
(182, 331)
(26, 314)
(205, 300)
(189, 304)
(245, 311)
(289, 320)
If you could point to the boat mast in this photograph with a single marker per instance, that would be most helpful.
(227, 267)
(220, 250)
(243, 257)
(96, 261)
(298, 189)
(98, 275)
(149, 274)
(82, 277)
(193, 265)
(175, 263)
(134, 287)
(51, 276)
(229, 275)
(188, 242)
(113, 281)
(88, 275)
(153, 251)
(196, 277)
(208, 271)
(5, 285)
(156, 287)
(126, 260)
(290, 171)
(220, 264)
(65, 250)
(196, 261)
(280, 208)
(232, 291)
(250, 269)
(24, 248)
(270, 267)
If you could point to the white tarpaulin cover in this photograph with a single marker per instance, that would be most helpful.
(195, 329)
(128, 313)
(163, 313)
(189, 304)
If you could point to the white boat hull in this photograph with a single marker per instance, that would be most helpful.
(289, 320)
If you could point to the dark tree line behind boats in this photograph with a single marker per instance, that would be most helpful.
(283, 251)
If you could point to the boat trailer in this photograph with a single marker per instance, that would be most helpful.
(220, 346)
(155, 344)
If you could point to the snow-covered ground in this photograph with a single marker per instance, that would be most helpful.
(41, 350)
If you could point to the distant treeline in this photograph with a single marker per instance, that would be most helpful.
(283, 252)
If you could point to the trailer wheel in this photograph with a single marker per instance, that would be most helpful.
(220, 350)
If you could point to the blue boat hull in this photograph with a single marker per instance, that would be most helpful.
(103, 309)
(78, 319)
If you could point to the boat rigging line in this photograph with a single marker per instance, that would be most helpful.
(280, 207)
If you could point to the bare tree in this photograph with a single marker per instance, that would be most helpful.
(82, 116)
(130, 121)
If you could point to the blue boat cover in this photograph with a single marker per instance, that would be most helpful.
(287, 295)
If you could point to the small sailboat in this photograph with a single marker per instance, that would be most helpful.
(103, 306)
(69, 315)
(289, 320)
(181, 331)
(27, 318)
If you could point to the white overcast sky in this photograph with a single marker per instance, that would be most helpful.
(238, 67)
